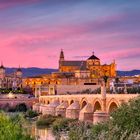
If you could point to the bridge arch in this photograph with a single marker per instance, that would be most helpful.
(71, 101)
(48, 102)
(112, 105)
(97, 105)
(83, 103)
(62, 101)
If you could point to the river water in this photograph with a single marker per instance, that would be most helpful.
(40, 133)
(43, 133)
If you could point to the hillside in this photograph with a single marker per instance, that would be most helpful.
(34, 71)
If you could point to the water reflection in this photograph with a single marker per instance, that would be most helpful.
(43, 134)
(40, 133)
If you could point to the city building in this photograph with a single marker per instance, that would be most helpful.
(90, 68)
(77, 72)
(13, 80)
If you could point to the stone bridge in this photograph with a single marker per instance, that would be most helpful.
(11, 103)
(85, 107)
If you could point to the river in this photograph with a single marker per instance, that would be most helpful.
(39, 133)
(42, 133)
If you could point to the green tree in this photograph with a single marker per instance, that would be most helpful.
(127, 117)
(124, 124)
(10, 129)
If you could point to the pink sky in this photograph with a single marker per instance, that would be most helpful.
(33, 32)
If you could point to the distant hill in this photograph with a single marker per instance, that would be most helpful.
(128, 73)
(33, 71)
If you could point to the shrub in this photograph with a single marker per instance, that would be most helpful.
(46, 121)
(97, 129)
(31, 114)
(79, 131)
(61, 124)
(127, 117)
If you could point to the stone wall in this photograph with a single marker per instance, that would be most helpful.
(69, 89)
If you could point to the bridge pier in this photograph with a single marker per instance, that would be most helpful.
(61, 109)
(73, 110)
(50, 109)
(36, 107)
(100, 116)
(86, 114)
(43, 108)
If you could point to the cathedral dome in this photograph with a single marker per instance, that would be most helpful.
(93, 57)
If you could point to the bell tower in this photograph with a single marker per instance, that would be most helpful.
(61, 59)
(19, 72)
(61, 56)
(2, 71)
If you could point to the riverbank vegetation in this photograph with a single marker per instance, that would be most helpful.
(46, 121)
(31, 114)
(11, 128)
(122, 125)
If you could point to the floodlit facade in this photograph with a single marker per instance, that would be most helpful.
(13, 80)
(77, 72)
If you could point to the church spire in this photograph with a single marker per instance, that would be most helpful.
(2, 67)
(61, 55)
(19, 68)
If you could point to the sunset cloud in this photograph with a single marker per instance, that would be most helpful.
(32, 32)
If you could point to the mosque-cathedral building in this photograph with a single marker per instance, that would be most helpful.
(88, 72)
(90, 68)
(12, 80)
